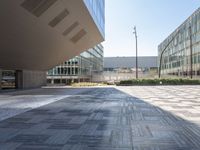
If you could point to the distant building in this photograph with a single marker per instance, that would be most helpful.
(122, 68)
(182, 55)
(78, 69)
(144, 62)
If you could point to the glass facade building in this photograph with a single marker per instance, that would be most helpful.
(182, 49)
(78, 69)
(97, 11)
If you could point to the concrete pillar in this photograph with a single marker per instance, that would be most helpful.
(0, 78)
(19, 79)
(25, 79)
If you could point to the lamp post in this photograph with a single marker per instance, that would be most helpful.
(91, 73)
(191, 60)
(135, 33)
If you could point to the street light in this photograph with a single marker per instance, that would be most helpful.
(191, 60)
(90, 73)
(135, 33)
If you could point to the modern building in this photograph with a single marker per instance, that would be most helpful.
(122, 68)
(181, 49)
(144, 62)
(81, 68)
(37, 35)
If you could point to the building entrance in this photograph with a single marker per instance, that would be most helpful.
(7, 79)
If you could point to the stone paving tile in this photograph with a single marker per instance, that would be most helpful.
(28, 138)
(122, 118)
(9, 146)
(39, 147)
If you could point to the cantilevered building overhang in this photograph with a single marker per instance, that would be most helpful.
(40, 34)
(37, 35)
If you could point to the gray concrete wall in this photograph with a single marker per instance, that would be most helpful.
(30, 79)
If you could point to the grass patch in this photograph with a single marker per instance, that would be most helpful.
(86, 84)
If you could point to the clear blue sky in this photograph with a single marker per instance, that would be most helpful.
(155, 20)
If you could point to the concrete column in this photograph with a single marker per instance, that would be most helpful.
(0, 78)
(19, 79)
(30, 79)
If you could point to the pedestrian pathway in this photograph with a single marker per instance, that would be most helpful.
(17, 102)
(104, 119)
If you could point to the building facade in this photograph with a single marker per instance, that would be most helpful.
(144, 62)
(181, 55)
(123, 68)
(81, 68)
(39, 34)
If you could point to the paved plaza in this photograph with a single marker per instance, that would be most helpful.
(107, 118)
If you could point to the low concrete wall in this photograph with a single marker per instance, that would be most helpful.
(112, 76)
(30, 79)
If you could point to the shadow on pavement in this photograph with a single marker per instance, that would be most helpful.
(99, 119)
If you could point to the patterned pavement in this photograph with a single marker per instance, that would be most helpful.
(121, 118)
(17, 102)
